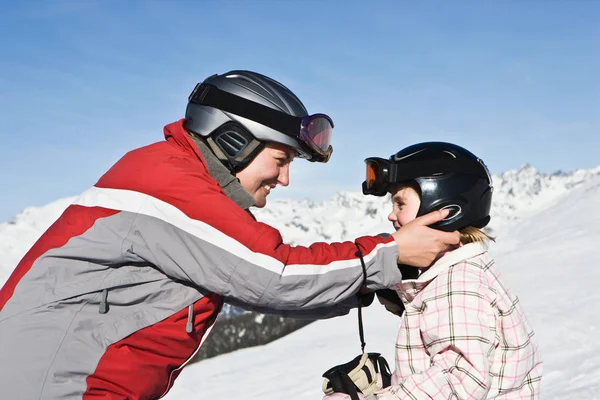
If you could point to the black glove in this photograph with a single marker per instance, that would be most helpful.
(366, 299)
(391, 301)
(358, 376)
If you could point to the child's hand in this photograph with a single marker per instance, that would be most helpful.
(419, 245)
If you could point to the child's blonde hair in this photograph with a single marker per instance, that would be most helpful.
(470, 234)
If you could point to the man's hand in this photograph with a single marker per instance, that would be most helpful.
(419, 245)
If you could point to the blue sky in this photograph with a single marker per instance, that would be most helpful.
(82, 82)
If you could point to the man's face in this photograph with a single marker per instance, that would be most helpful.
(405, 206)
(271, 167)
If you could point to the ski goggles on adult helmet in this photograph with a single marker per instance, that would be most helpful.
(313, 132)
(381, 172)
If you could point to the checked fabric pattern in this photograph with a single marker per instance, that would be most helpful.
(463, 335)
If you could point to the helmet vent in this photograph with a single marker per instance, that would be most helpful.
(231, 142)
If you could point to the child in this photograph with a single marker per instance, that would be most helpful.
(462, 334)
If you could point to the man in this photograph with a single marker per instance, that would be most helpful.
(118, 294)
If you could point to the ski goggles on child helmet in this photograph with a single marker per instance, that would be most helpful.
(313, 132)
(381, 173)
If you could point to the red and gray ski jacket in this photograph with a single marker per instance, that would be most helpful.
(117, 295)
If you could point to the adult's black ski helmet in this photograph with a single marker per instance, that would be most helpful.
(448, 177)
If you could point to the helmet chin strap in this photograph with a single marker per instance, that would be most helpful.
(217, 151)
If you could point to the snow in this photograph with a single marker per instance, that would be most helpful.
(547, 227)
(17, 236)
(548, 260)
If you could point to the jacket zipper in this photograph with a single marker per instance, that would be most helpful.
(206, 333)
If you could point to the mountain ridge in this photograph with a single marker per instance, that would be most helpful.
(345, 215)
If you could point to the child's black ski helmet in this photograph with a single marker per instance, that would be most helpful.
(448, 176)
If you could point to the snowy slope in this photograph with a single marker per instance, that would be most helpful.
(17, 236)
(549, 261)
(547, 228)
(517, 193)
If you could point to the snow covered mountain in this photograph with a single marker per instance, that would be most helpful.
(517, 193)
(547, 258)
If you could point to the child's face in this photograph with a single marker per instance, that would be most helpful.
(405, 206)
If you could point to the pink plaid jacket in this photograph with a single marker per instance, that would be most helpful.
(463, 335)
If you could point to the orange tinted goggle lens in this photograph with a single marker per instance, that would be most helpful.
(372, 170)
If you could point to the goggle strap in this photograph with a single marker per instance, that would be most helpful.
(210, 95)
(416, 169)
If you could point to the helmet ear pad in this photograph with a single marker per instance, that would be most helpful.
(235, 145)
(468, 197)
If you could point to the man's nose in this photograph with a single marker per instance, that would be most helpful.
(284, 175)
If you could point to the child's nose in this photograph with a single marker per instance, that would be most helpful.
(392, 217)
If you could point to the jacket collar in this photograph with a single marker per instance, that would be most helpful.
(451, 258)
(228, 182)
(409, 288)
